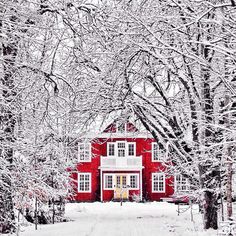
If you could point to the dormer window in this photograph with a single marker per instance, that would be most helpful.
(84, 152)
(120, 127)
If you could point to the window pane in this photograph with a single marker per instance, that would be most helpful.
(155, 152)
(108, 181)
(121, 128)
(84, 152)
(121, 145)
(181, 183)
(158, 182)
(111, 149)
(121, 153)
(84, 182)
(124, 181)
(131, 149)
(133, 181)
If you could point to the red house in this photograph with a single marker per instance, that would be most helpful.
(123, 163)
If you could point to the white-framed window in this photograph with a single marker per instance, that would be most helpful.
(121, 149)
(131, 149)
(110, 149)
(84, 182)
(158, 183)
(181, 184)
(157, 154)
(84, 152)
(134, 181)
(108, 181)
(120, 127)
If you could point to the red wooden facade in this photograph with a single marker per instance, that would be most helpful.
(121, 163)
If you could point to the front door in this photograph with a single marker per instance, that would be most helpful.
(121, 190)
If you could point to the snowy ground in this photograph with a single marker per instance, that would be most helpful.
(131, 219)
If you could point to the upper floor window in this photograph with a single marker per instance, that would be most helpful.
(157, 154)
(84, 182)
(158, 182)
(111, 149)
(84, 152)
(121, 149)
(181, 184)
(131, 149)
(120, 127)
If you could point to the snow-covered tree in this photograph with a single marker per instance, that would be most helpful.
(170, 63)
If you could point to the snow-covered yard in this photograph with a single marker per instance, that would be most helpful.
(99, 219)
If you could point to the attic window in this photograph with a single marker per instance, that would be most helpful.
(120, 128)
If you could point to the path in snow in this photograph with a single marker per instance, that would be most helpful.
(131, 219)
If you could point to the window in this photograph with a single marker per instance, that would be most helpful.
(133, 182)
(121, 149)
(120, 127)
(181, 184)
(158, 182)
(111, 149)
(108, 182)
(131, 149)
(84, 182)
(155, 152)
(84, 152)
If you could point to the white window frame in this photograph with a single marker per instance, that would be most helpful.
(177, 183)
(129, 183)
(127, 144)
(79, 158)
(108, 143)
(104, 182)
(117, 148)
(164, 182)
(84, 191)
(118, 124)
(159, 154)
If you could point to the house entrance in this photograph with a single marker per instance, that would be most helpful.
(121, 188)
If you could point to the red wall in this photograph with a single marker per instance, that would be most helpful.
(143, 147)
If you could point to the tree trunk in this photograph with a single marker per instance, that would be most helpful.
(210, 210)
(7, 124)
(229, 162)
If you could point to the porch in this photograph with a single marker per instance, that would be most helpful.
(115, 162)
(121, 185)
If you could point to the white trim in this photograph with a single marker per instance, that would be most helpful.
(104, 181)
(138, 186)
(83, 144)
(101, 184)
(84, 173)
(138, 134)
(141, 185)
(164, 182)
